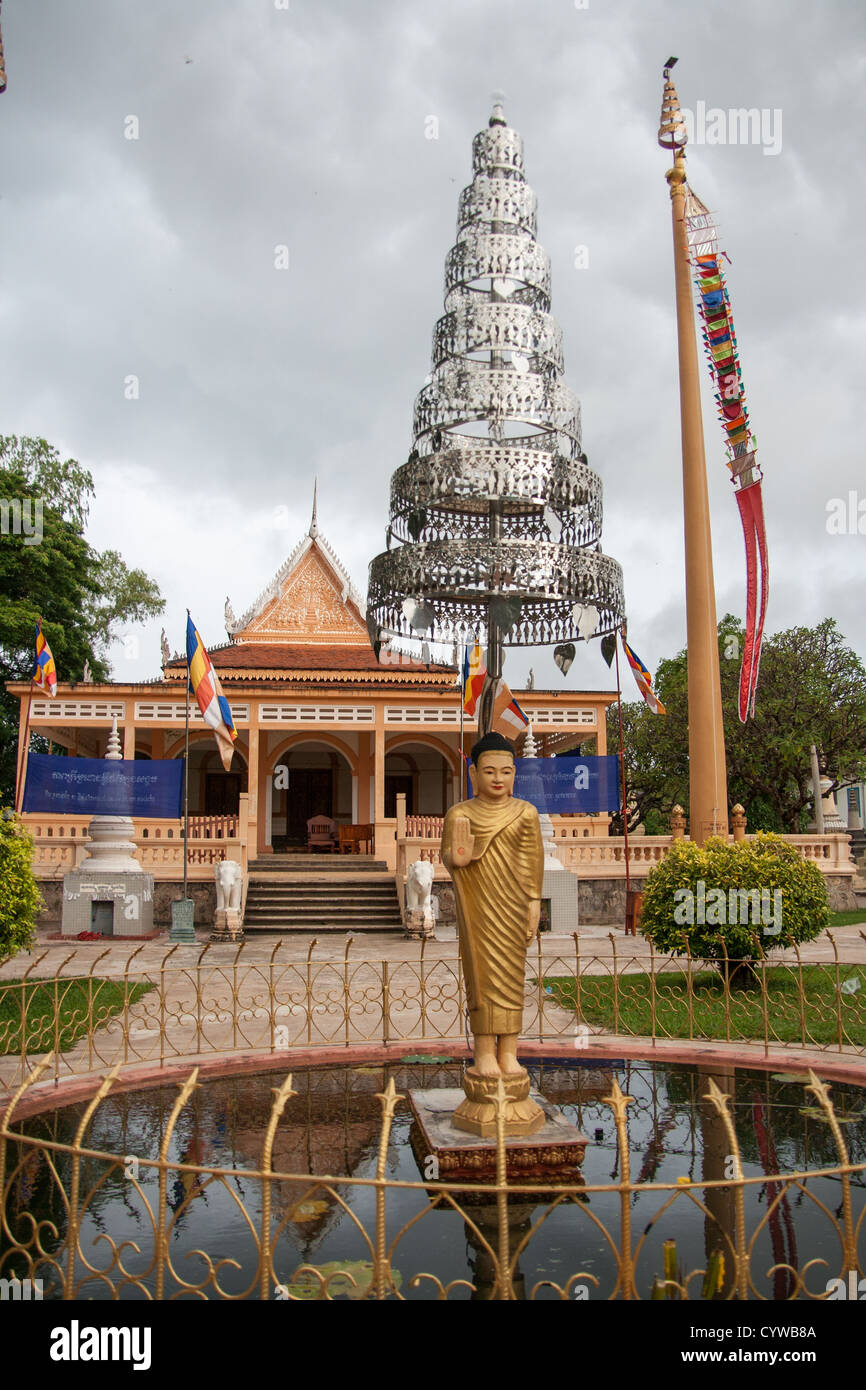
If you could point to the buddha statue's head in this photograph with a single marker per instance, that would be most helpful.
(493, 768)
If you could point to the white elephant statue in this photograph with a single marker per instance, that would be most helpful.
(229, 879)
(419, 886)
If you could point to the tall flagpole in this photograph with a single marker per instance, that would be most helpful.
(186, 777)
(622, 769)
(708, 794)
(22, 758)
(462, 709)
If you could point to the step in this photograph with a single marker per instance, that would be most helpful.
(324, 902)
(321, 915)
(321, 924)
(275, 893)
(320, 866)
(337, 882)
(321, 905)
(377, 889)
(324, 863)
(281, 929)
(278, 905)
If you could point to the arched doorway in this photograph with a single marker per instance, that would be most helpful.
(309, 779)
(212, 790)
(423, 774)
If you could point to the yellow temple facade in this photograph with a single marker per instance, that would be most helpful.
(324, 729)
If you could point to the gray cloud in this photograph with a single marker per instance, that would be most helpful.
(155, 258)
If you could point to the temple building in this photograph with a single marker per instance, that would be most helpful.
(324, 730)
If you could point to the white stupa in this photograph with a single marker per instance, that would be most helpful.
(108, 892)
(112, 842)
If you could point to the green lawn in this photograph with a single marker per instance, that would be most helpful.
(676, 1007)
(848, 919)
(73, 997)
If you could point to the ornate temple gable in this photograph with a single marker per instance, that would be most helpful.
(311, 599)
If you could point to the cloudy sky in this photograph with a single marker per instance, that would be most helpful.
(306, 124)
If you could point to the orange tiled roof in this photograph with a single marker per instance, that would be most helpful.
(299, 657)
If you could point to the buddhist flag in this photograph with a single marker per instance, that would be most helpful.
(208, 693)
(474, 672)
(508, 717)
(44, 670)
(643, 679)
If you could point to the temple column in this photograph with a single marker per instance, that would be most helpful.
(128, 740)
(366, 810)
(23, 740)
(383, 839)
(267, 827)
(601, 731)
(256, 831)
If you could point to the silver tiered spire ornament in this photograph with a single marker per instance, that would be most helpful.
(495, 520)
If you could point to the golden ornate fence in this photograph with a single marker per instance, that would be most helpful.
(227, 1003)
(501, 1218)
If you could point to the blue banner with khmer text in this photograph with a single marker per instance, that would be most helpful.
(95, 786)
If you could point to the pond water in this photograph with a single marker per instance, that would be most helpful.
(332, 1127)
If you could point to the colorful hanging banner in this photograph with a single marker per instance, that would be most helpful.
(44, 671)
(643, 677)
(474, 673)
(720, 346)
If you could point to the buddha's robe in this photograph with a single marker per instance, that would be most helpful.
(493, 894)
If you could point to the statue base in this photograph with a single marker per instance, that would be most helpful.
(552, 1154)
(477, 1113)
(227, 925)
(418, 923)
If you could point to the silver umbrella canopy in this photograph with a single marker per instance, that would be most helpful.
(494, 531)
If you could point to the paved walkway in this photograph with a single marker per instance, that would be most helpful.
(599, 943)
(218, 999)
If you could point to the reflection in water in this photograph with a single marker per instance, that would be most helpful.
(720, 1223)
(332, 1128)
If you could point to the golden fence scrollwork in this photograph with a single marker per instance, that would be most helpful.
(75, 1257)
(223, 1003)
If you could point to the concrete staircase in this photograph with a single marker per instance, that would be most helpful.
(316, 893)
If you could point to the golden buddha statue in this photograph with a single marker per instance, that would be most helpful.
(492, 848)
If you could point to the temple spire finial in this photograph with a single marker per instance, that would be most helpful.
(314, 525)
(497, 116)
(113, 752)
(672, 127)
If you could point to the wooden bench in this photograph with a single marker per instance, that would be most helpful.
(352, 837)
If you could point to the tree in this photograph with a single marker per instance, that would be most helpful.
(733, 902)
(811, 689)
(49, 570)
(20, 899)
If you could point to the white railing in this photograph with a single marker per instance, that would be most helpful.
(424, 827)
(580, 848)
(60, 843)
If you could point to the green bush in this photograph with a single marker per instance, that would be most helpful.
(20, 899)
(733, 901)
